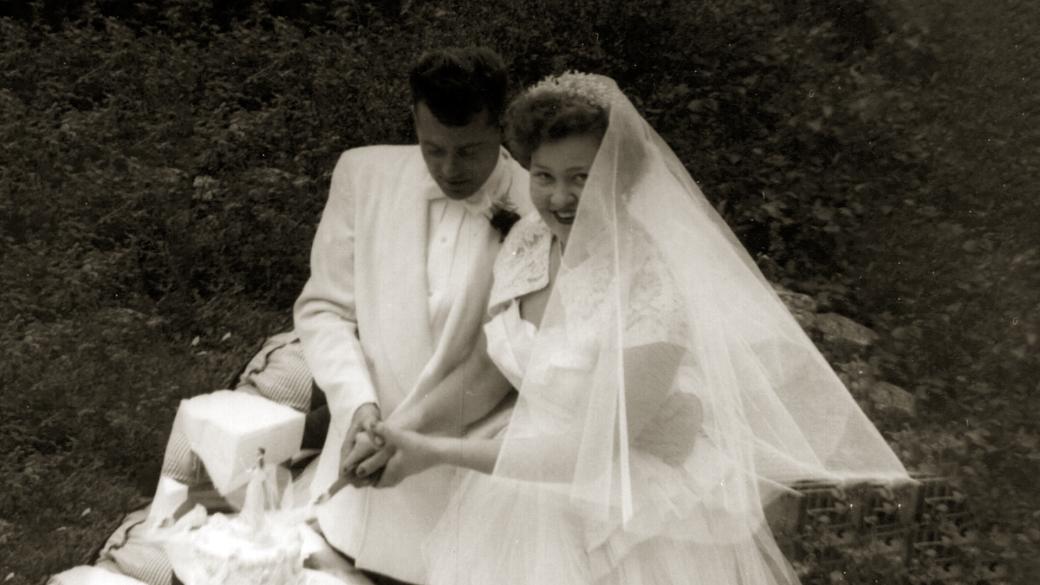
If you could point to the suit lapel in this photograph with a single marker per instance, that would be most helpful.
(469, 303)
(470, 290)
(400, 244)
(406, 335)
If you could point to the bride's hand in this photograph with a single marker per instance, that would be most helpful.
(413, 453)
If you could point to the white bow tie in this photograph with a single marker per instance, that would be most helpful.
(478, 204)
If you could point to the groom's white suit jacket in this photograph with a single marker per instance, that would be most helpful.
(365, 320)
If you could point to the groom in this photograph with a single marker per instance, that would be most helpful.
(391, 317)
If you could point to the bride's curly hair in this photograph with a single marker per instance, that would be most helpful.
(536, 117)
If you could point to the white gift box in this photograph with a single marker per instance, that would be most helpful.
(227, 428)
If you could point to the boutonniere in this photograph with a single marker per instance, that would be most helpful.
(502, 215)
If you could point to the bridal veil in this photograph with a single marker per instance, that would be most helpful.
(670, 394)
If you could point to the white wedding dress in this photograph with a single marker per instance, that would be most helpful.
(505, 531)
(666, 398)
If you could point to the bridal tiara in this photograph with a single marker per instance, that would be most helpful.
(595, 89)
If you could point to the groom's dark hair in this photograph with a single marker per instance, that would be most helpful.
(456, 83)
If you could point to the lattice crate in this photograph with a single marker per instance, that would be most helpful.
(959, 569)
(884, 507)
(886, 516)
(991, 572)
(826, 523)
(927, 546)
(783, 514)
(946, 572)
(944, 524)
(782, 517)
(827, 504)
(891, 542)
(938, 500)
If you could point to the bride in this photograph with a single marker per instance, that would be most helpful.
(665, 393)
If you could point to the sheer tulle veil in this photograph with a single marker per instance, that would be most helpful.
(686, 396)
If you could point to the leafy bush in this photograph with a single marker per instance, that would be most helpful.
(192, 161)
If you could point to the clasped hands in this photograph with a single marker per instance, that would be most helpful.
(378, 454)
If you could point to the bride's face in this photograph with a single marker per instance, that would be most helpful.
(559, 170)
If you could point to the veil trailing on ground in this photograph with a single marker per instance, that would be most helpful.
(670, 393)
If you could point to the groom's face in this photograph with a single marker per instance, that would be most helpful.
(460, 158)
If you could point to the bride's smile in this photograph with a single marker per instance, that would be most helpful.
(559, 169)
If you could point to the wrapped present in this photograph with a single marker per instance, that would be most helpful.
(226, 429)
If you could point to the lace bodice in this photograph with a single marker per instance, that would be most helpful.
(648, 298)
(559, 379)
(522, 265)
(652, 311)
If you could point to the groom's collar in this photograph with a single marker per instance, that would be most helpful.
(480, 202)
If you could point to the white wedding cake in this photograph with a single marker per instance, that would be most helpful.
(240, 438)
(229, 551)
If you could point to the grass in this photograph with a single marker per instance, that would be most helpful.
(120, 298)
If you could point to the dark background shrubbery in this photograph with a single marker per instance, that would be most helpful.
(164, 165)
(179, 151)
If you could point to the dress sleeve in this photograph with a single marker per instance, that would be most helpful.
(522, 264)
(654, 313)
(325, 313)
(661, 399)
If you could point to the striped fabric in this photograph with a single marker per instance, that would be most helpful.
(129, 553)
(278, 373)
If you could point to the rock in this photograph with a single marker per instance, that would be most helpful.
(802, 306)
(805, 319)
(842, 330)
(171, 176)
(156, 322)
(889, 397)
(858, 376)
(796, 301)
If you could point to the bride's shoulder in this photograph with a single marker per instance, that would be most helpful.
(528, 236)
(522, 265)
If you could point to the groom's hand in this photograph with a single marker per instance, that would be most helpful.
(371, 466)
(351, 470)
(359, 443)
(411, 453)
(376, 464)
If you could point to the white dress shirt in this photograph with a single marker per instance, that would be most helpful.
(453, 232)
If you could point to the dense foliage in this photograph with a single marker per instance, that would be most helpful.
(164, 165)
